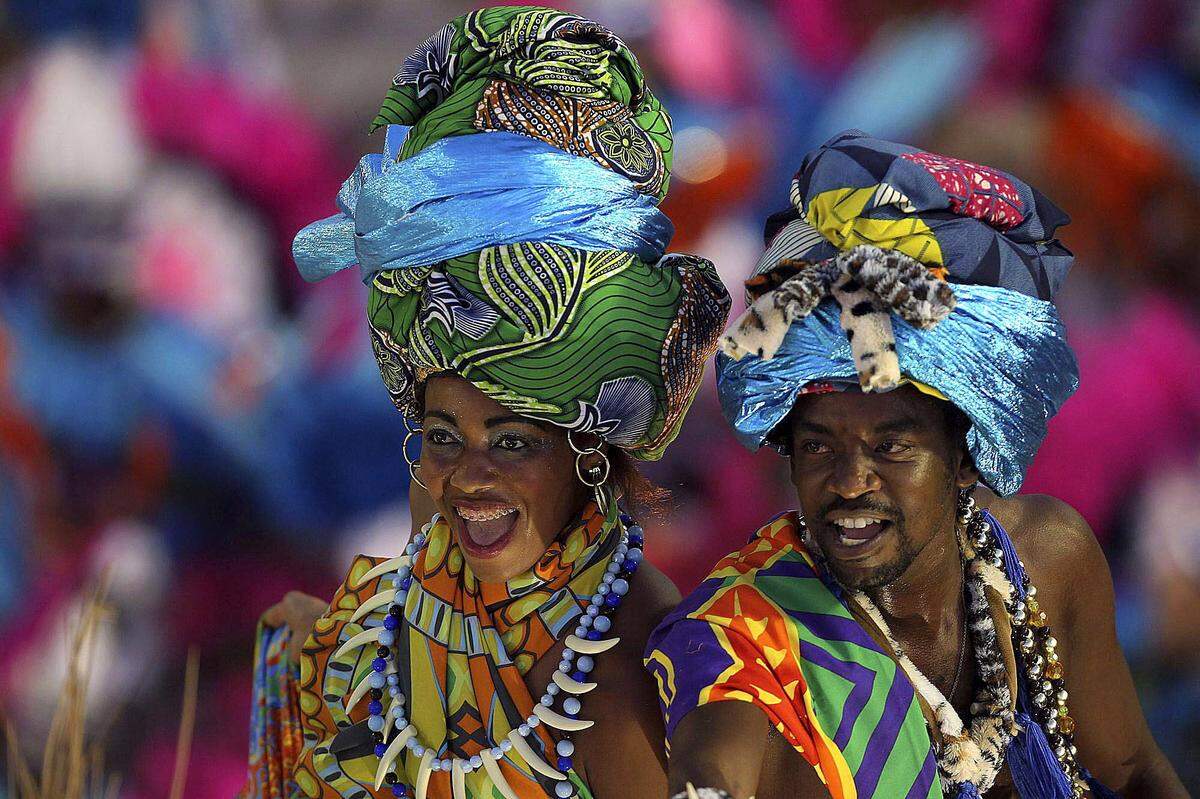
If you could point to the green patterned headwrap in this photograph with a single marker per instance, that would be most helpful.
(592, 340)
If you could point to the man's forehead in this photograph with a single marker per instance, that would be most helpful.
(905, 405)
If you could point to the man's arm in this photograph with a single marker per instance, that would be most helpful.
(1111, 734)
(719, 746)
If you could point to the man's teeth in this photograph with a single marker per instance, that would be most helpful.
(472, 515)
(856, 524)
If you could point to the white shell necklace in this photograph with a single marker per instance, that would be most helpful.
(392, 730)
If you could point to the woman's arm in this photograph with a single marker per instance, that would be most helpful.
(623, 753)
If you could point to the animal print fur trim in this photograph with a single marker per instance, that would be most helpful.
(869, 284)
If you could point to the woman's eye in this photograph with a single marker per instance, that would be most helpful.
(510, 443)
(813, 447)
(893, 448)
(439, 437)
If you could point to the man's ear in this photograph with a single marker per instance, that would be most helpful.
(967, 475)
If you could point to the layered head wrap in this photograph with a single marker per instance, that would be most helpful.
(895, 265)
(529, 260)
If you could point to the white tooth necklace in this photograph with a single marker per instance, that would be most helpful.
(569, 682)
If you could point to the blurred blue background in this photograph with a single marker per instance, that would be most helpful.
(177, 407)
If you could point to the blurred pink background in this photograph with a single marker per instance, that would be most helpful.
(178, 407)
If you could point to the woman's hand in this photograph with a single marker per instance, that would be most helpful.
(299, 611)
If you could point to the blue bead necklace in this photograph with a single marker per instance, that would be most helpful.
(569, 683)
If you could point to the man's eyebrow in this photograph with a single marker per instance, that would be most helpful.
(812, 427)
(901, 424)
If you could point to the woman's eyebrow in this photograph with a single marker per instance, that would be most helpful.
(513, 418)
(446, 417)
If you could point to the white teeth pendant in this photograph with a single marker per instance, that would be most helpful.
(389, 756)
(363, 686)
(390, 728)
(493, 771)
(458, 782)
(558, 721)
(422, 786)
(591, 647)
(390, 565)
(533, 758)
(382, 598)
(564, 682)
(370, 636)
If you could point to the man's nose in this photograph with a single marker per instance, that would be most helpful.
(853, 476)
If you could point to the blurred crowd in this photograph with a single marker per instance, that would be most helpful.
(180, 412)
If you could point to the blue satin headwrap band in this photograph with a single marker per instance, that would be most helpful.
(466, 193)
(1001, 357)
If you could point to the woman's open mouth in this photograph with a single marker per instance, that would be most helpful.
(484, 527)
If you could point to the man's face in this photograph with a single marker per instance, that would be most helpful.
(877, 476)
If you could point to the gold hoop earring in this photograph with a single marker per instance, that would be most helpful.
(413, 466)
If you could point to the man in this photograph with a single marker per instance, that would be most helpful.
(887, 640)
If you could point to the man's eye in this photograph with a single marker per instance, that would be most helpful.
(813, 447)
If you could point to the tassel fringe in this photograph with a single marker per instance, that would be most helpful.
(1035, 770)
(967, 790)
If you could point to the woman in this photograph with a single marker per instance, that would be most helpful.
(524, 316)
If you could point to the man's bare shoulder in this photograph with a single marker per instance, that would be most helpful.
(1046, 529)
(1059, 549)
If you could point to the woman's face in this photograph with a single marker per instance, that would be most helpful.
(505, 483)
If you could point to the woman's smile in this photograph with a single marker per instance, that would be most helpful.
(483, 527)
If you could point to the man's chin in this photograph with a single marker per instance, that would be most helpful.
(857, 578)
(865, 563)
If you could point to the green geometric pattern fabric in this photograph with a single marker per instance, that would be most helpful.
(595, 341)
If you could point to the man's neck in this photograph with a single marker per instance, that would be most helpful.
(927, 596)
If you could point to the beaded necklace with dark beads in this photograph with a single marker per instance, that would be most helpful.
(1040, 673)
(569, 683)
